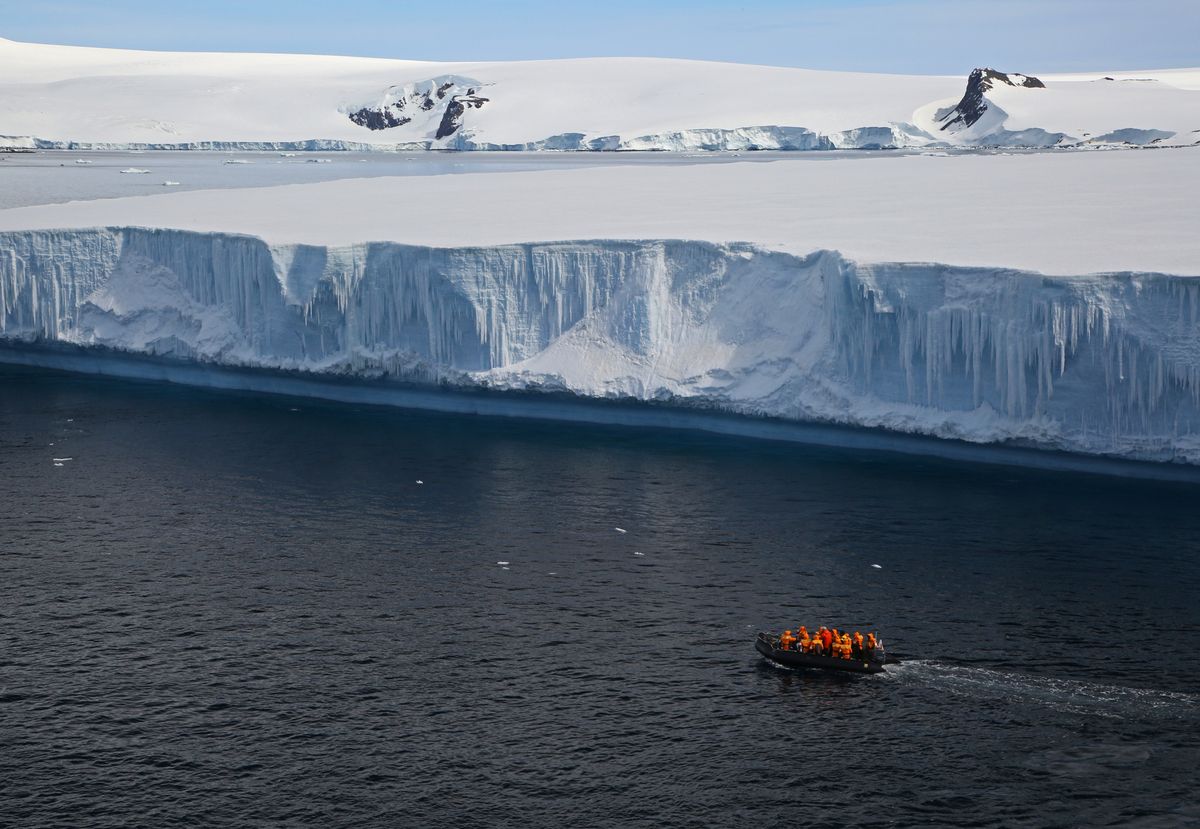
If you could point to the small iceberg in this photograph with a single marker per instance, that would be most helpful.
(317, 160)
(238, 161)
(134, 171)
(83, 161)
(170, 184)
(877, 566)
(621, 531)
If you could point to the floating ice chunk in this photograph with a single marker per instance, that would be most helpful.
(288, 155)
(83, 161)
(636, 553)
(58, 464)
(504, 568)
(134, 170)
(170, 184)
(57, 460)
(877, 566)
(317, 160)
(621, 531)
(419, 481)
(238, 161)
(502, 563)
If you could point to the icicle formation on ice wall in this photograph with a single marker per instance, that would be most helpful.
(1104, 364)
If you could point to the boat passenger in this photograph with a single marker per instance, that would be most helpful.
(787, 640)
(826, 639)
(858, 644)
(846, 646)
(805, 640)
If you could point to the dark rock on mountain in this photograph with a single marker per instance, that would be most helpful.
(404, 104)
(973, 104)
(378, 119)
(452, 117)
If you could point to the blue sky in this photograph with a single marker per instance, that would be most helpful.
(938, 36)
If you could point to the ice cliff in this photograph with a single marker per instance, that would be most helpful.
(1103, 364)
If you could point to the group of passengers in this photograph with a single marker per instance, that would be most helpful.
(826, 642)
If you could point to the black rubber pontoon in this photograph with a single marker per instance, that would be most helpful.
(768, 646)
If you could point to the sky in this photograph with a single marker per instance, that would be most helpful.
(905, 36)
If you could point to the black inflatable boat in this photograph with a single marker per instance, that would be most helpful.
(768, 646)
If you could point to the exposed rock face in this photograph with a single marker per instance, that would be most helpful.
(439, 102)
(973, 104)
(379, 119)
(452, 117)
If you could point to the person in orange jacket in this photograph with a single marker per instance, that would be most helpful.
(787, 640)
(826, 640)
(815, 643)
(847, 646)
(858, 643)
(804, 639)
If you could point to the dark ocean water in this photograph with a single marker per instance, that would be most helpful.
(247, 612)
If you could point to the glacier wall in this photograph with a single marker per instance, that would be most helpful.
(1101, 364)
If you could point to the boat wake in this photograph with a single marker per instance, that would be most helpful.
(1069, 695)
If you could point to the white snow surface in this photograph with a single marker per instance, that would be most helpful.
(1059, 213)
(905, 293)
(75, 96)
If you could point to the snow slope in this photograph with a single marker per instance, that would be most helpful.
(80, 97)
(715, 287)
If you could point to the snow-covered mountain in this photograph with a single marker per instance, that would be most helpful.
(62, 96)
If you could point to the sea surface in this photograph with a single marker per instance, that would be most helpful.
(55, 176)
(255, 611)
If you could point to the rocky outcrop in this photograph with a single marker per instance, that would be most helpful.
(452, 118)
(974, 104)
(436, 104)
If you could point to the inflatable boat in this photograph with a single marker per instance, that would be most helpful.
(768, 646)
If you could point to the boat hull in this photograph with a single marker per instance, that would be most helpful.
(796, 659)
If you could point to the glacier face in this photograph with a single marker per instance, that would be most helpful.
(1102, 364)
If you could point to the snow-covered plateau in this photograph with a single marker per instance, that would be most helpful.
(1061, 311)
(85, 98)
